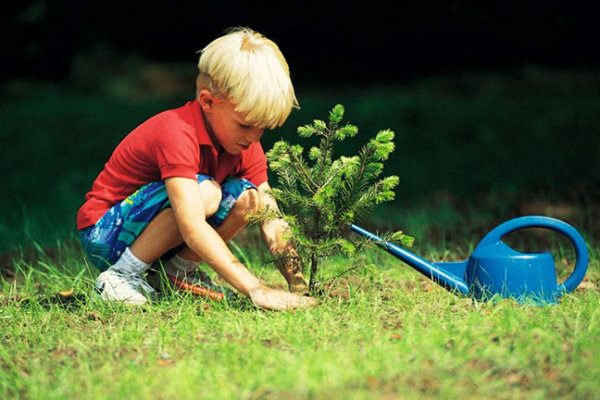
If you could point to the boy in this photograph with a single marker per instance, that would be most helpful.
(186, 178)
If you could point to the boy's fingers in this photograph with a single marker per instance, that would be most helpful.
(279, 300)
(299, 288)
(309, 301)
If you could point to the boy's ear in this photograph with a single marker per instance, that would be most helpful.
(206, 99)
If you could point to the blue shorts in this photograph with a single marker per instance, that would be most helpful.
(122, 224)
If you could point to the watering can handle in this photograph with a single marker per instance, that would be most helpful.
(581, 252)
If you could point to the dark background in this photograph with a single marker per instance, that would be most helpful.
(323, 41)
(495, 104)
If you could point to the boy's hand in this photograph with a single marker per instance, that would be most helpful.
(291, 269)
(299, 288)
(273, 299)
(276, 234)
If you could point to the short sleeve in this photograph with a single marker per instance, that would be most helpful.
(177, 155)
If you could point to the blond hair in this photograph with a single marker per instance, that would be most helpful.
(250, 70)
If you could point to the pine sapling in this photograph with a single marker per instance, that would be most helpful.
(320, 197)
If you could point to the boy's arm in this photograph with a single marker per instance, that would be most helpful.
(282, 249)
(201, 238)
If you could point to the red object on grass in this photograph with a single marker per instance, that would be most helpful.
(196, 290)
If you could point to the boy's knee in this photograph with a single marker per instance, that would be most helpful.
(211, 195)
(247, 202)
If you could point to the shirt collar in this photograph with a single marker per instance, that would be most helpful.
(202, 133)
(203, 136)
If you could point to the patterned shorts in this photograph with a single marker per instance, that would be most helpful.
(122, 224)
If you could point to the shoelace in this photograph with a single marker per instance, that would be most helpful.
(136, 281)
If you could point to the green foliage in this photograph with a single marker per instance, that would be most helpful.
(487, 131)
(320, 197)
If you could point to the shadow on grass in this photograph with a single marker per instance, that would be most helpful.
(75, 302)
(69, 302)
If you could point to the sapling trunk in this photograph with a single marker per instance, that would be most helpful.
(314, 257)
(314, 262)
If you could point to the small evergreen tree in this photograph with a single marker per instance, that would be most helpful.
(321, 197)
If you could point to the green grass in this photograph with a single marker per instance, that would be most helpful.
(472, 151)
(379, 332)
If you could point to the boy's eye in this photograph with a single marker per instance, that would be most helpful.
(244, 126)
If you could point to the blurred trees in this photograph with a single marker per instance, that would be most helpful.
(374, 41)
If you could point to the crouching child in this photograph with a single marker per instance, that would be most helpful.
(183, 182)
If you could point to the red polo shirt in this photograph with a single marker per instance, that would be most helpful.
(172, 143)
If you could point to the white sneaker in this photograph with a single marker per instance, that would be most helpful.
(114, 285)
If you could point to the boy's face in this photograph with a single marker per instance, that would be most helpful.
(227, 127)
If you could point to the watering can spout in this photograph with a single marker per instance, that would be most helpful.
(448, 275)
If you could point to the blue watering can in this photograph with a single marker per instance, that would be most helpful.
(496, 269)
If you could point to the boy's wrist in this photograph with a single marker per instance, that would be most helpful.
(289, 265)
(291, 269)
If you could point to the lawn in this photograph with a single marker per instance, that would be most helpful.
(379, 331)
(472, 151)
